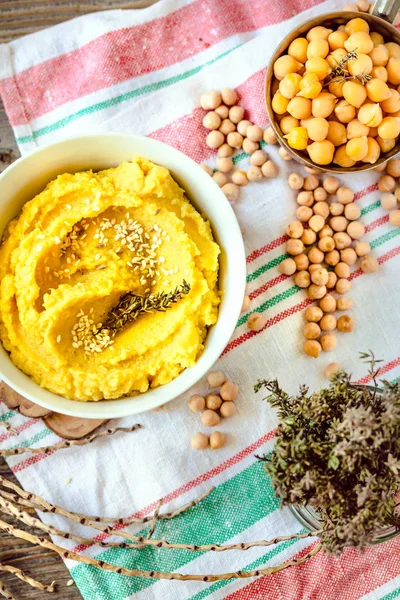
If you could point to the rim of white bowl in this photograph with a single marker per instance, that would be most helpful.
(218, 335)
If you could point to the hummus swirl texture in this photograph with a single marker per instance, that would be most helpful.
(71, 255)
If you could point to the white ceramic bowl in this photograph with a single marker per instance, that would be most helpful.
(30, 174)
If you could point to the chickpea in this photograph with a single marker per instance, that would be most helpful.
(243, 125)
(389, 128)
(295, 181)
(298, 49)
(310, 183)
(284, 65)
(361, 65)
(310, 86)
(303, 213)
(354, 93)
(377, 38)
(287, 266)
(299, 108)
(254, 173)
(332, 279)
(240, 178)
(335, 57)
(322, 106)
(318, 47)
(337, 39)
(370, 114)
(336, 133)
(359, 41)
(328, 303)
(199, 441)
(315, 292)
(357, 148)
(369, 264)
(342, 240)
(318, 33)
(352, 212)
(328, 342)
(328, 323)
(336, 209)
(217, 440)
(362, 248)
(231, 191)
(227, 410)
(226, 127)
(314, 267)
(319, 66)
(374, 151)
(301, 262)
(312, 331)
(317, 128)
(216, 378)
(215, 139)
(222, 111)
(295, 229)
(256, 322)
(356, 129)
(234, 139)
(326, 231)
(343, 286)
(305, 198)
(379, 73)
(254, 133)
(344, 111)
(331, 370)
(284, 154)
(394, 218)
(345, 323)
(333, 257)
(302, 279)
(245, 304)
(314, 314)
(196, 403)
(289, 86)
(320, 194)
(393, 70)
(393, 167)
(336, 87)
(210, 100)
(339, 223)
(321, 153)
(229, 96)
(225, 151)
(236, 114)
(312, 348)
(213, 401)
(394, 49)
(355, 25)
(210, 418)
(309, 237)
(229, 391)
(348, 256)
(345, 195)
(220, 178)
(392, 104)
(250, 147)
(315, 256)
(224, 165)
(269, 136)
(320, 276)
(326, 244)
(342, 270)
(340, 158)
(207, 169)
(331, 184)
(321, 209)
(258, 158)
(212, 120)
(344, 303)
(356, 230)
(385, 145)
(269, 169)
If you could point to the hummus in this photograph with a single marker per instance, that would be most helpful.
(79, 247)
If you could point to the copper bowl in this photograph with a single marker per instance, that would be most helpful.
(376, 23)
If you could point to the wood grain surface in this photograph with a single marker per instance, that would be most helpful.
(18, 18)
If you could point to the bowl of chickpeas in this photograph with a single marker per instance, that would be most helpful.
(333, 91)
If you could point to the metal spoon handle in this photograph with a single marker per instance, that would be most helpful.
(386, 9)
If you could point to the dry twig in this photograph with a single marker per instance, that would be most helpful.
(5, 592)
(9, 427)
(154, 520)
(23, 577)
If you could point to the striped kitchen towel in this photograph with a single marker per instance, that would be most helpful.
(143, 72)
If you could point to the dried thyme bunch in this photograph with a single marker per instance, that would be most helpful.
(338, 450)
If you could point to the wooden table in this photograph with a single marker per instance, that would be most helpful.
(18, 18)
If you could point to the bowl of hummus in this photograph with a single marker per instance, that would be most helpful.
(122, 274)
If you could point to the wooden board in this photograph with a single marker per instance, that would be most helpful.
(17, 18)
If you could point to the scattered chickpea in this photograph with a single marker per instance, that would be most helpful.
(369, 264)
(342, 270)
(345, 195)
(229, 96)
(227, 410)
(346, 323)
(236, 114)
(342, 240)
(254, 173)
(326, 244)
(240, 178)
(220, 178)
(348, 256)
(386, 183)
(246, 304)
(229, 391)
(199, 441)
(388, 201)
(269, 136)
(256, 322)
(295, 229)
(312, 348)
(316, 223)
(352, 211)
(254, 133)
(210, 100)
(343, 286)
(328, 342)
(356, 229)
(320, 276)
(234, 139)
(362, 248)
(332, 279)
(315, 255)
(215, 139)
(269, 169)
(311, 182)
(316, 292)
(320, 194)
(393, 167)
(344, 303)
(258, 158)
(225, 151)
(322, 209)
(301, 261)
(242, 126)
(249, 147)
(302, 279)
(312, 331)
(328, 303)
(284, 154)
(217, 440)
(328, 323)
(305, 198)
(331, 184)
(394, 218)
(224, 165)
(294, 247)
(336, 209)
(226, 127)
(309, 236)
(332, 369)
(196, 403)
(216, 378)
(304, 214)
(213, 401)
(338, 223)
(326, 231)
(210, 418)
(314, 314)
(231, 191)
(288, 266)
(332, 258)
(222, 111)
(211, 120)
